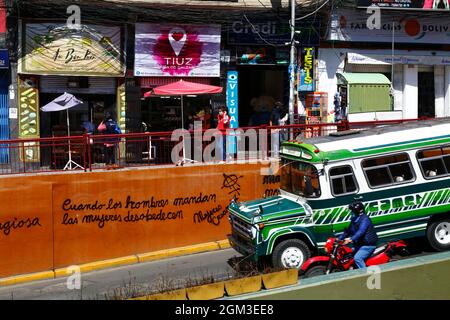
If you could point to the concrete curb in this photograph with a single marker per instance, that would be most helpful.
(332, 282)
(117, 262)
(45, 275)
(229, 288)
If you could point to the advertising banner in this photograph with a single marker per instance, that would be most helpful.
(4, 59)
(2, 16)
(306, 72)
(177, 50)
(2, 23)
(232, 98)
(399, 58)
(406, 4)
(232, 105)
(264, 32)
(28, 108)
(121, 107)
(351, 25)
(60, 50)
(29, 118)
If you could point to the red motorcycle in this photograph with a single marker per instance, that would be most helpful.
(340, 257)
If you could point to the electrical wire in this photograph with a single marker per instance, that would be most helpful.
(314, 12)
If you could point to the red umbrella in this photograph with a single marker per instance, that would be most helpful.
(181, 88)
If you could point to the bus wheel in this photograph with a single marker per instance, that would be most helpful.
(438, 234)
(290, 254)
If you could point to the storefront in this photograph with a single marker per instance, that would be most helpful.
(260, 53)
(166, 53)
(419, 75)
(87, 62)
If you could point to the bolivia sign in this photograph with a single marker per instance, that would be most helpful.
(60, 50)
(177, 50)
(350, 25)
(406, 4)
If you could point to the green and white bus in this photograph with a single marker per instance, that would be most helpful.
(401, 173)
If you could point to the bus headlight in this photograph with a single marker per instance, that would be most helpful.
(309, 212)
(254, 231)
(257, 219)
(308, 209)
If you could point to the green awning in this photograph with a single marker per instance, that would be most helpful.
(362, 78)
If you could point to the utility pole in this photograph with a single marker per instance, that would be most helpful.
(292, 70)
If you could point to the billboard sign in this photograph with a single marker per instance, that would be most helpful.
(167, 50)
(351, 25)
(232, 105)
(429, 5)
(91, 50)
(306, 71)
(266, 32)
(4, 59)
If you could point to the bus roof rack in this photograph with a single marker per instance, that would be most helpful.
(344, 133)
(379, 129)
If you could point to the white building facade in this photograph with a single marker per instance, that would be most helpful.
(420, 77)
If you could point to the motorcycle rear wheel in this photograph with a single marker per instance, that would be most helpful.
(318, 270)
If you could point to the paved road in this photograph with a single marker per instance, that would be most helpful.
(140, 277)
(123, 282)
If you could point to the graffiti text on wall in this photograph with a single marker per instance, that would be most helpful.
(136, 210)
(7, 226)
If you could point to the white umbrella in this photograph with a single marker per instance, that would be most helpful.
(65, 102)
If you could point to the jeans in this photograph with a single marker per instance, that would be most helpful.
(362, 254)
(221, 148)
(110, 157)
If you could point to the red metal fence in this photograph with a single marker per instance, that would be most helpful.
(95, 152)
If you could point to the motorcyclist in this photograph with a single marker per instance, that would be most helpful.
(361, 233)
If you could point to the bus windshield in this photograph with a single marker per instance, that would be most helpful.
(300, 178)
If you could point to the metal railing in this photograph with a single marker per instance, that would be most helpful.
(96, 152)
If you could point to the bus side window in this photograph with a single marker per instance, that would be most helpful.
(434, 163)
(342, 181)
(388, 170)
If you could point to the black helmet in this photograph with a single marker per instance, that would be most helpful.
(357, 207)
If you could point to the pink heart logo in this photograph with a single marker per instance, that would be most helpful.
(177, 36)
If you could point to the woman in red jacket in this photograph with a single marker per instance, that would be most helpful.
(223, 120)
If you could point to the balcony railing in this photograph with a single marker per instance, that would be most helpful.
(100, 152)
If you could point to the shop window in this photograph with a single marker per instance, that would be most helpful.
(388, 170)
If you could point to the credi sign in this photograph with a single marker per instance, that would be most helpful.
(349, 25)
(258, 31)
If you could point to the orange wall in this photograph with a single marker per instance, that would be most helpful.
(65, 212)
